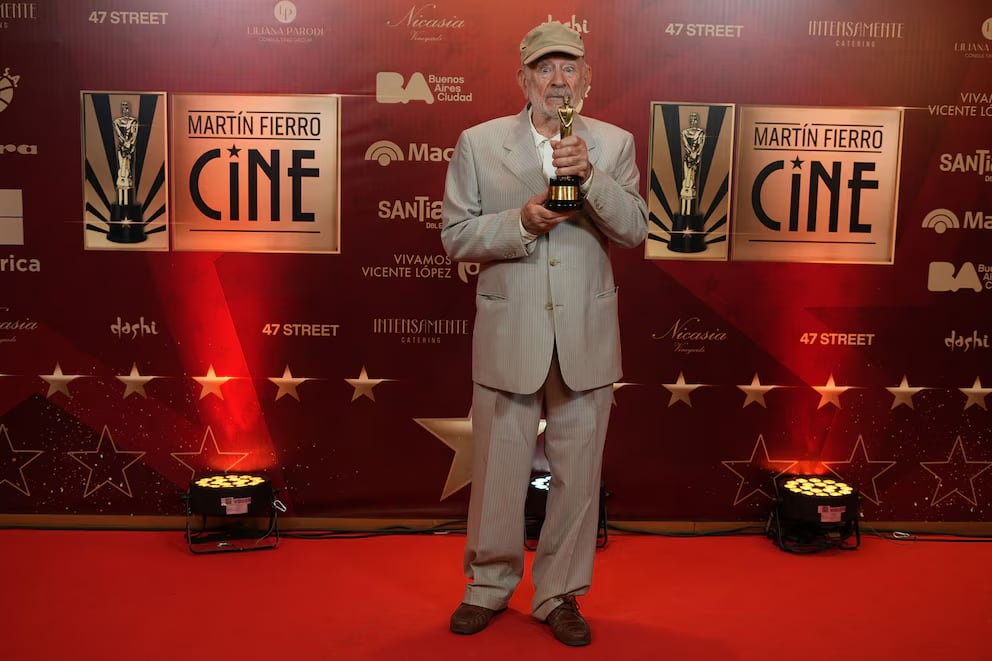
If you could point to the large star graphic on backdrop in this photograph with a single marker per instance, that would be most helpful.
(456, 433)
(755, 393)
(13, 462)
(754, 472)
(861, 471)
(107, 465)
(976, 394)
(288, 384)
(59, 382)
(830, 393)
(134, 383)
(211, 383)
(903, 393)
(209, 458)
(958, 473)
(363, 385)
(680, 390)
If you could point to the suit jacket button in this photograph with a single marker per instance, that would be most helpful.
(549, 307)
(555, 262)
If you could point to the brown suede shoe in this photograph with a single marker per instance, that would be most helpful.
(567, 625)
(468, 619)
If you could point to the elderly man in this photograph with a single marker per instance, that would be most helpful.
(546, 337)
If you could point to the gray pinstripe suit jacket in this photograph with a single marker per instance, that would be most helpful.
(563, 291)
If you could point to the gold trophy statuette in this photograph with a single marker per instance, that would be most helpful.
(564, 193)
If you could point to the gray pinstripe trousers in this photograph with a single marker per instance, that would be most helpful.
(504, 428)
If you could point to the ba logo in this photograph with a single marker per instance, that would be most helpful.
(943, 278)
(941, 220)
(384, 152)
(389, 88)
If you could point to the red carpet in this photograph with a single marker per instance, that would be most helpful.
(143, 595)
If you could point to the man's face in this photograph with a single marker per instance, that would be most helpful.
(549, 80)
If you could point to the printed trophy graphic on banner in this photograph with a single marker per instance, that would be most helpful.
(126, 225)
(687, 225)
(125, 193)
(692, 146)
(564, 193)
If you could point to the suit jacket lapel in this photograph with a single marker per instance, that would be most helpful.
(520, 155)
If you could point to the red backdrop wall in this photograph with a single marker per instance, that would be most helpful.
(344, 375)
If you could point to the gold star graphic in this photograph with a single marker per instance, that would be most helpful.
(976, 395)
(860, 470)
(755, 393)
(903, 394)
(59, 382)
(108, 464)
(288, 384)
(209, 458)
(363, 385)
(830, 393)
(756, 469)
(680, 390)
(958, 472)
(134, 383)
(11, 463)
(211, 383)
(456, 433)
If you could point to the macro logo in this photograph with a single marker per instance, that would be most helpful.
(384, 152)
(941, 220)
(944, 277)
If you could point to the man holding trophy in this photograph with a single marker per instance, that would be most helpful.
(537, 199)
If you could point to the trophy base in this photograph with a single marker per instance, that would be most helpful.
(687, 234)
(126, 225)
(564, 194)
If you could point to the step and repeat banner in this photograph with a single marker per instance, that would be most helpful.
(220, 251)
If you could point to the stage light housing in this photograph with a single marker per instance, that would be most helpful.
(536, 503)
(225, 495)
(813, 513)
(231, 497)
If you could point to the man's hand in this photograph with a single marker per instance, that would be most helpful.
(538, 220)
(571, 157)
